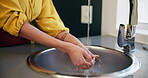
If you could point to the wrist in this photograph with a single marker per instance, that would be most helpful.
(62, 35)
(64, 46)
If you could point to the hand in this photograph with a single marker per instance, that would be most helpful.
(80, 57)
(85, 56)
(89, 52)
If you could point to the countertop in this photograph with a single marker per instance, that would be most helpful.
(13, 59)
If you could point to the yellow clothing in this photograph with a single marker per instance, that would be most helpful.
(13, 13)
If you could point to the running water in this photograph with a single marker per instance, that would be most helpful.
(88, 22)
(93, 70)
(86, 72)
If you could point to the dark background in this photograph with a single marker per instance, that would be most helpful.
(70, 13)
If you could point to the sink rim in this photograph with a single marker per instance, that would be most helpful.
(128, 71)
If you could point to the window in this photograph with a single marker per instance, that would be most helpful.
(142, 28)
(143, 12)
(143, 17)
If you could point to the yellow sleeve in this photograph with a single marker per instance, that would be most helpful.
(49, 20)
(11, 16)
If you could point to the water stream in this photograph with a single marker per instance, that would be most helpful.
(88, 23)
(86, 72)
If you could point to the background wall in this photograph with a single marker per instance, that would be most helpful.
(70, 13)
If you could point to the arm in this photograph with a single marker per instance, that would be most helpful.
(67, 37)
(76, 53)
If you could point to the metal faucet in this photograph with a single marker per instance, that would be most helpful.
(127, 40)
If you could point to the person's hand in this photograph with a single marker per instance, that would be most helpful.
(80, 57)
(91, 54)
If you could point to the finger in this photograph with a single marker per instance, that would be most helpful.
(93, 60)
(90, 53)
(83, 62)
(96, 56)
(83, 67)
(87, 56)
(88, 64)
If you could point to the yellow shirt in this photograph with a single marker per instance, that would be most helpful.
(13, 13)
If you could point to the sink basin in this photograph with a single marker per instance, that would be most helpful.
(111, 63)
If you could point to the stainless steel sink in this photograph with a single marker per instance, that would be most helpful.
(111, 64)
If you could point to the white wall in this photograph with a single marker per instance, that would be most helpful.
(114, 13)
(109, 16)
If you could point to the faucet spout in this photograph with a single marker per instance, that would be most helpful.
(127, 42)
(130, 37)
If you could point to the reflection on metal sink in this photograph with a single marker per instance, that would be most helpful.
(111, 63)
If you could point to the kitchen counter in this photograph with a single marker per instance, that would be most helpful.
(13, 59)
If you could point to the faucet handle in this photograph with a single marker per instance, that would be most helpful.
(121, 35)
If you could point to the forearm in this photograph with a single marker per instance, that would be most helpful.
(32, 33)
(67, 37)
